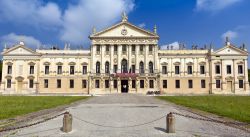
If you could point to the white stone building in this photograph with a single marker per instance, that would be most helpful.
(125, 58)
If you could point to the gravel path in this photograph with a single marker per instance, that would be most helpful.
(120, 110)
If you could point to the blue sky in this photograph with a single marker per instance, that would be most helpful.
(54, 22)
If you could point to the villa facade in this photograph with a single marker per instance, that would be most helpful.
(125, 58)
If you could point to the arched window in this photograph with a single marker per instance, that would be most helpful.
(124, 66)
(107, 67)
(97, 67)
(141, 67)
(151, 67)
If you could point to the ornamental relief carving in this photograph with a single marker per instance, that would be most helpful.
(124, 41)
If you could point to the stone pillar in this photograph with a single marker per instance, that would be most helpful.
(235, 75)
(111, 50)
(246, 83)
(102, 58)
(67, 122)
(224, 83)
(136, 59)
(119, 52)
(146, 58)
(129, 56)
(170, 121)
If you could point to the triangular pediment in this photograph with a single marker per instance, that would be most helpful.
(19, 50)
(124, 29)
(230, 50)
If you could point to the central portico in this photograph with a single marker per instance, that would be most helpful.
(124, 58)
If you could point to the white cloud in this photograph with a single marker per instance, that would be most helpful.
(74, 23)
(13, 38)
(79, 19)
(230, 34)
(214, 5)
(142, 25)
(175, 45)
(31, 12)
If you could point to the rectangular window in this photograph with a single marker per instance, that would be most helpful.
(98, 49)
(59, 70)
(190, 70)
(229, 69)
(202, 69)
(240, 69)
(9, 71)
(141, 48)
(177, 69)
(31, 69)
(133, 84)
(165, 84)
(106, 83)
(8, 83)
(115, 49)
(46, 83)
(84, 70)
(71, 83)
(115, 68)
(97, 84)
(217, 69)
(133, 68)
(115, 83)
(107, 48)
(72, 70)
(46, 70)
(217, 83)
(203, 83)
(84, 83)
(58, 83)
(31, 83)
(190, 83)
(141, 83)
(164, 69)
(151, 83)
(241, 84)
(150, 48)
(177, 83)
(124, 48)
(133, 48)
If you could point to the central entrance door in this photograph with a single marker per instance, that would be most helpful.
(124, 86)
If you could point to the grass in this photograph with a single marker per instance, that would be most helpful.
(12, 106)
(235, 107)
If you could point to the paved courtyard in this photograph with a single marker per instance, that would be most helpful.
(121, 110)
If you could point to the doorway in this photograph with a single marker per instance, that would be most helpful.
(124, 86)
(229, 86)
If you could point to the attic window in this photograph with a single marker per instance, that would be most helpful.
(217, 56)
(228, 50)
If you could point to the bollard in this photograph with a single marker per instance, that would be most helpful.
(170, 123)
(67, 122)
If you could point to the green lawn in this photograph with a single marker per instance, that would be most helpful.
(235, 107)
(11, 106)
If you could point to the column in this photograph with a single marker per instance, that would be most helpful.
(119, 52)
(246, 83)
(111, 50)
(129, 56)
(235, 75)
(102, 58)
(223, 75)
(136, 59)
(146, 58)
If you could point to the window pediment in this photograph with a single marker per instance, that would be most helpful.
(202, 63)
(72, 63)
(164, 63)
(31, 63)
(9, 63)
(59, 63)
(190, 63)
(46, 63)
(84, 63)
(177, 63)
